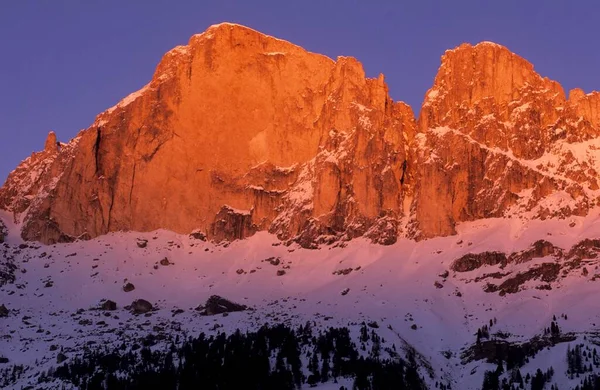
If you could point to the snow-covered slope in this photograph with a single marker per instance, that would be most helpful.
(403, 286)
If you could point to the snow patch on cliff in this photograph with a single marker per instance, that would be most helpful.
(301, 194)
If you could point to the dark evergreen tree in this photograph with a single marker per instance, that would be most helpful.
(222, 362)
(490, 381)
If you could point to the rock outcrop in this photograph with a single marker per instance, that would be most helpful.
(510, 277)
(140, 306)
(219, 305)
(108, 305)
(239, 132)
(473, 261)
(3, 232)
(496, 139)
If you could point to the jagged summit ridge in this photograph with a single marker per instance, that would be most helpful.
(165, 71)
(239, 132)
(506, 143)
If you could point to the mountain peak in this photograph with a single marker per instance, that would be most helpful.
(225, 28)
(51, 144)
(239, 132)
(483, 45)
(234, 36)
(487, 118)
(251, 133)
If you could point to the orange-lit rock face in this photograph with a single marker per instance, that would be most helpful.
(239, 132)
(496, 139)
(236, 132)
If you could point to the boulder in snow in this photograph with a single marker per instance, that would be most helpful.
(61, 357)
(198, 235)
(108, 305)
(141, 306)
(219, 305)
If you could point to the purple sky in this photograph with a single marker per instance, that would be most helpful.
(63, 62)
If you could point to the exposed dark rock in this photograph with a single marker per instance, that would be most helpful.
(490, 350)
(472, 261)
(7, 271)
(3, 311)
(540, 248)
(219, 305)
(61, 357)
(344, 271)
(546, 272)
(232, 224)
(142, 243)
(128, 287)
(280, 272)
(165, 261)
(108, 305)
(585, 249)
(493, 275)
(141, 306)
(198, 235)
(384, 231)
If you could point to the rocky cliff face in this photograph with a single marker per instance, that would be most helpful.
(236, 132)
(495, 139)
(239, 132)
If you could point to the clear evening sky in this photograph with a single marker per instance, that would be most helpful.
(62, 62)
